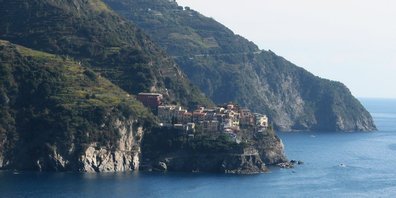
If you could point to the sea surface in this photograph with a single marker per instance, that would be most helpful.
(336, 165)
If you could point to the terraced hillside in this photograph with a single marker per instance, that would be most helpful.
(54, 111)
(92, 34)
(228, 67)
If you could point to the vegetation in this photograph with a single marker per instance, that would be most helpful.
(228, 67)
(47, 100)
(75, 79)
(162, 141)
(81, 64)
(92, 34)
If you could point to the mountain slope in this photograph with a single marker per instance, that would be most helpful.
(70, 109)
(90, 32)
(228, 67)
(57, 115)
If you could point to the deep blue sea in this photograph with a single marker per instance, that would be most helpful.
(336, 165)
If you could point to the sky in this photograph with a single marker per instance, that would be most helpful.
(351, 41)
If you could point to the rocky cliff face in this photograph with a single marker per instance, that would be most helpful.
(165, 150)
(1, 161)
(250, 160)
(2, 142)
(61, 116)
(271, 150)
(125, 157)
(247, 161)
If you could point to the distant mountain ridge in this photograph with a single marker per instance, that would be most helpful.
(227, 67)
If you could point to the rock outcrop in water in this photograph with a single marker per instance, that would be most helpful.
(271, 149)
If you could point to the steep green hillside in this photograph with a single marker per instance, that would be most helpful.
(57, 115)
(92, 34)
(53, 110)
(65, 103)
(228, 67)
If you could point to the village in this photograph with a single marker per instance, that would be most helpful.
(228, 118)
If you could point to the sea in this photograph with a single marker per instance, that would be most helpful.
(336, 164)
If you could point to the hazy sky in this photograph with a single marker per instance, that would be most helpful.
(352, 41)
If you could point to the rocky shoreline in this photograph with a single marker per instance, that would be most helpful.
(289, 164)
(245, 168)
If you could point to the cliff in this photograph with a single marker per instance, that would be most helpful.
(125, 156)
(227, 67)
(235, 163)
(164, 149)
(58, 115)
(67, 101)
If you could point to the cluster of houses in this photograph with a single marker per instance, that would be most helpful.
(229, 118)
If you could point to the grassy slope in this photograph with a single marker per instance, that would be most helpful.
(81, 87)
(51, 101)
(91, 33)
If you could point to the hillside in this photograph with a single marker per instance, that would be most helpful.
(227, 67)
(68, 74)
(92, 34)
(57, 115)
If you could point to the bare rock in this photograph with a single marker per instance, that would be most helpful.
(126, 157)
(161, 166)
